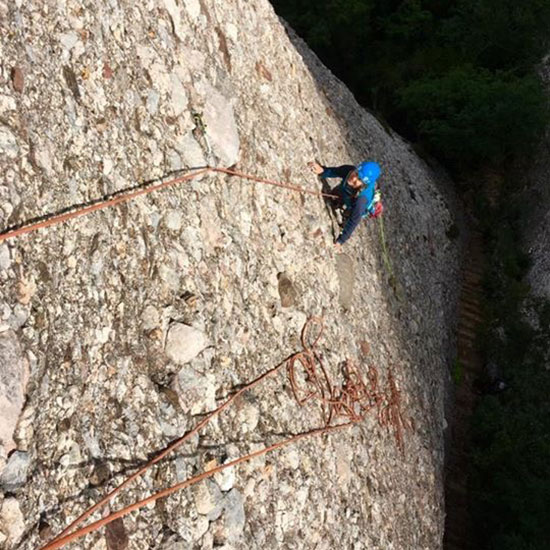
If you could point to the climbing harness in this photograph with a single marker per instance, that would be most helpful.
(343, 407)
(374, 208)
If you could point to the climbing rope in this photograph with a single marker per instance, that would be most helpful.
(391, 416)
(385, 254)
(348, 403)
(56, 219)
(290, 186)
(387, 263)
(342, 407)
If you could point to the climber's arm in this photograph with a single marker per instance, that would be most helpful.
(336, 171)
(354, 219)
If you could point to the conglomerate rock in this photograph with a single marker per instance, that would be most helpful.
(13, 381)
(536, 203)
(97, 97)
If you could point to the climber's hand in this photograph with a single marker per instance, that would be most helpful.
(315, 167)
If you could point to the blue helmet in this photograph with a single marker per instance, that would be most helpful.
(368, 172)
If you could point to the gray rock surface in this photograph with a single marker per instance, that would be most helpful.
(8, 143)
(5, 261)
(109, 100)
(14, 475)
(221, 127)
(184, 343)
(233, 516)
(209, 500)
(12, 522)
(196, 391)
(346, 279)
(537, 203)
(13, 381)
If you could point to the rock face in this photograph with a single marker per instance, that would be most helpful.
(110, 97)
(184, 343)
(287, 292)
(537, 201)
(13, 380)
(14, 474)
(12, 523)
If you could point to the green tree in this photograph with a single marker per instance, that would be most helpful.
(500, 34)
(470, 115)
(455, 74)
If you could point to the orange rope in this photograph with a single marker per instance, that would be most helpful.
(391, 415)
(275, 183)
(59, 542)
(57, 219)
(100, 205)
(351, 402)
(169, 449)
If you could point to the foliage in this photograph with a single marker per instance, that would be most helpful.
(460, 114)
(510, 466)
(500, 34)
(457, 372)
(455, 74)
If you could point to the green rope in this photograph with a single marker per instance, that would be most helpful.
(385, 255)
(387, 262)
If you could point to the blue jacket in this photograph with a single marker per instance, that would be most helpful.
(358, 205)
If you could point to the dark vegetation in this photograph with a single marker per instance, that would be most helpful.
(510, 466)
(458, 78)
(455, 76)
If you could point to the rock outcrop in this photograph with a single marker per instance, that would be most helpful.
(537, 201)
(98, 98)
(13, 381)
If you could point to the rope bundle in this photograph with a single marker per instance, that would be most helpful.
(342, 407)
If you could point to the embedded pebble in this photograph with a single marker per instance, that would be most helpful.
(184, 343)
(8, 143)
(14, 475)
(11, 520)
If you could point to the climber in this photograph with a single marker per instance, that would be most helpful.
(358, 193)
